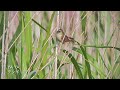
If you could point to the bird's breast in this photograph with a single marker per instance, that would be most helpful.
(59, 37)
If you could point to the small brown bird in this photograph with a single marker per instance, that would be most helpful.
(60, 35)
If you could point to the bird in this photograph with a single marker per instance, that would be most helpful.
(61, 37)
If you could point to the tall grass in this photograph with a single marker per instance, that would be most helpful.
(28, 45)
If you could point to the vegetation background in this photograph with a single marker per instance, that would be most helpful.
(29, 50)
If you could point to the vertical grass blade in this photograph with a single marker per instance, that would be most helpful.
(26, 44)
(78, 70)
(86, 62)
(44, 53)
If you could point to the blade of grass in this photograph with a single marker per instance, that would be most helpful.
(45, 46)
(92, 61)
(78, 70)
(86, 62)
(101, 47)
(39, 25)
(26, 44)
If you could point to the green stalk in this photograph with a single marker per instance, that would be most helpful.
(39, 25)
(98, 46)
(101, 47)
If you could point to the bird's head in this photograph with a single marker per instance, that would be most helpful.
(61, 37)
(59, 34)
(60, 31)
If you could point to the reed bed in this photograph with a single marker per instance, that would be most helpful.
(29, 48)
